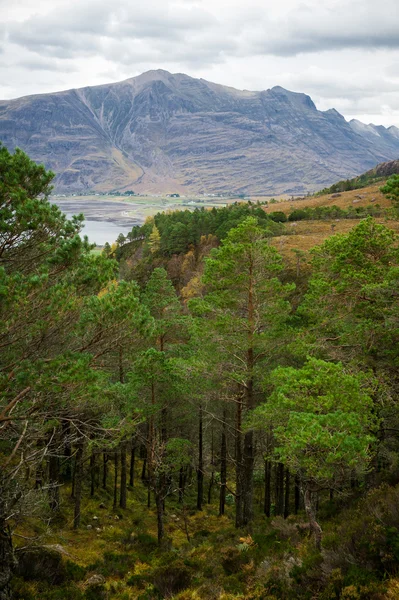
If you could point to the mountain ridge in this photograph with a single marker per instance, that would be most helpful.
(163, 132)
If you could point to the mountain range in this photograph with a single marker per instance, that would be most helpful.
(162, 132)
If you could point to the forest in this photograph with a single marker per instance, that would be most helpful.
(184, 415)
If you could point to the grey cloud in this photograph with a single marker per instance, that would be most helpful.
(220, 41)
(38, 63)
(322, 28)
(84, 29)
(73, 30)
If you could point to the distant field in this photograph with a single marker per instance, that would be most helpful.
(137, 208)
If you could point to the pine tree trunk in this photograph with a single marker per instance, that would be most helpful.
(212, 479)
(249, 449)
(279, 486)
(160, 511)
(123, 498)
(182, 483)
(181, 492)
(268, 477)
(132, 463)
(297, 493)
(310, 512)
(165, 479)
(54, 483)
(200, 470)
(105, 469)
(73, 478)
(92, 473)
(239, 466)
(248, 485)
(223, 468)
(66, 429)
(40, 474)
(151, 449)
(78, 479)
(116, 461)
(144, 470)
(287, 495)
(7, 560)
(211, 483)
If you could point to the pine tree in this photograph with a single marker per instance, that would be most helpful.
(242, 314)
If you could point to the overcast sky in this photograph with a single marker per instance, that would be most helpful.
(343, 53)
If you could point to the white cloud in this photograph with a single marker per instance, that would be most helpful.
(343, 53)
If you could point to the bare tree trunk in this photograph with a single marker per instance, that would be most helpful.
(7, 559)
(40, 475)
(212, 479)
(115, 480)
(279, 485)
(151, 449)
(223, 468)
(78, 479)
(123, 498)
(160, 512)
(239, 466)
(144, 470)
(54, 483)
(73, 479)
(182, 483)
(66, 431)
(92, 473)
(105, 469)
(287, 494)
(132, 463)
(249, 449)
(310, 512)
(211, 483)
(268, 475)
(200, 470)
(297, 493)
(248, 484)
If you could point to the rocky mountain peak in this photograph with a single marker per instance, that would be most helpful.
(164, 132)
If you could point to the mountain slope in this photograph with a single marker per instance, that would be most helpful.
(160, 132)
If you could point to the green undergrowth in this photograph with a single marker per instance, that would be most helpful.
(205, 557)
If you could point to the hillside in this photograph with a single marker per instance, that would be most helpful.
(160, 132)
(305, 235)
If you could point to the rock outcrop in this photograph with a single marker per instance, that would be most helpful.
(160, 132)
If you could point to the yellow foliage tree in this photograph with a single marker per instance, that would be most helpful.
(154, 241)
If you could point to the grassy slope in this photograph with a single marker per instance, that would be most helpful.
(304, 235)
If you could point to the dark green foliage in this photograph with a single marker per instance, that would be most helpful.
(391, 188)
(180, 229)
(325, 213)
(356, 183)
(278, 217)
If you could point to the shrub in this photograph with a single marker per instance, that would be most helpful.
(172, 579)
(232, 560)
(278, 216)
